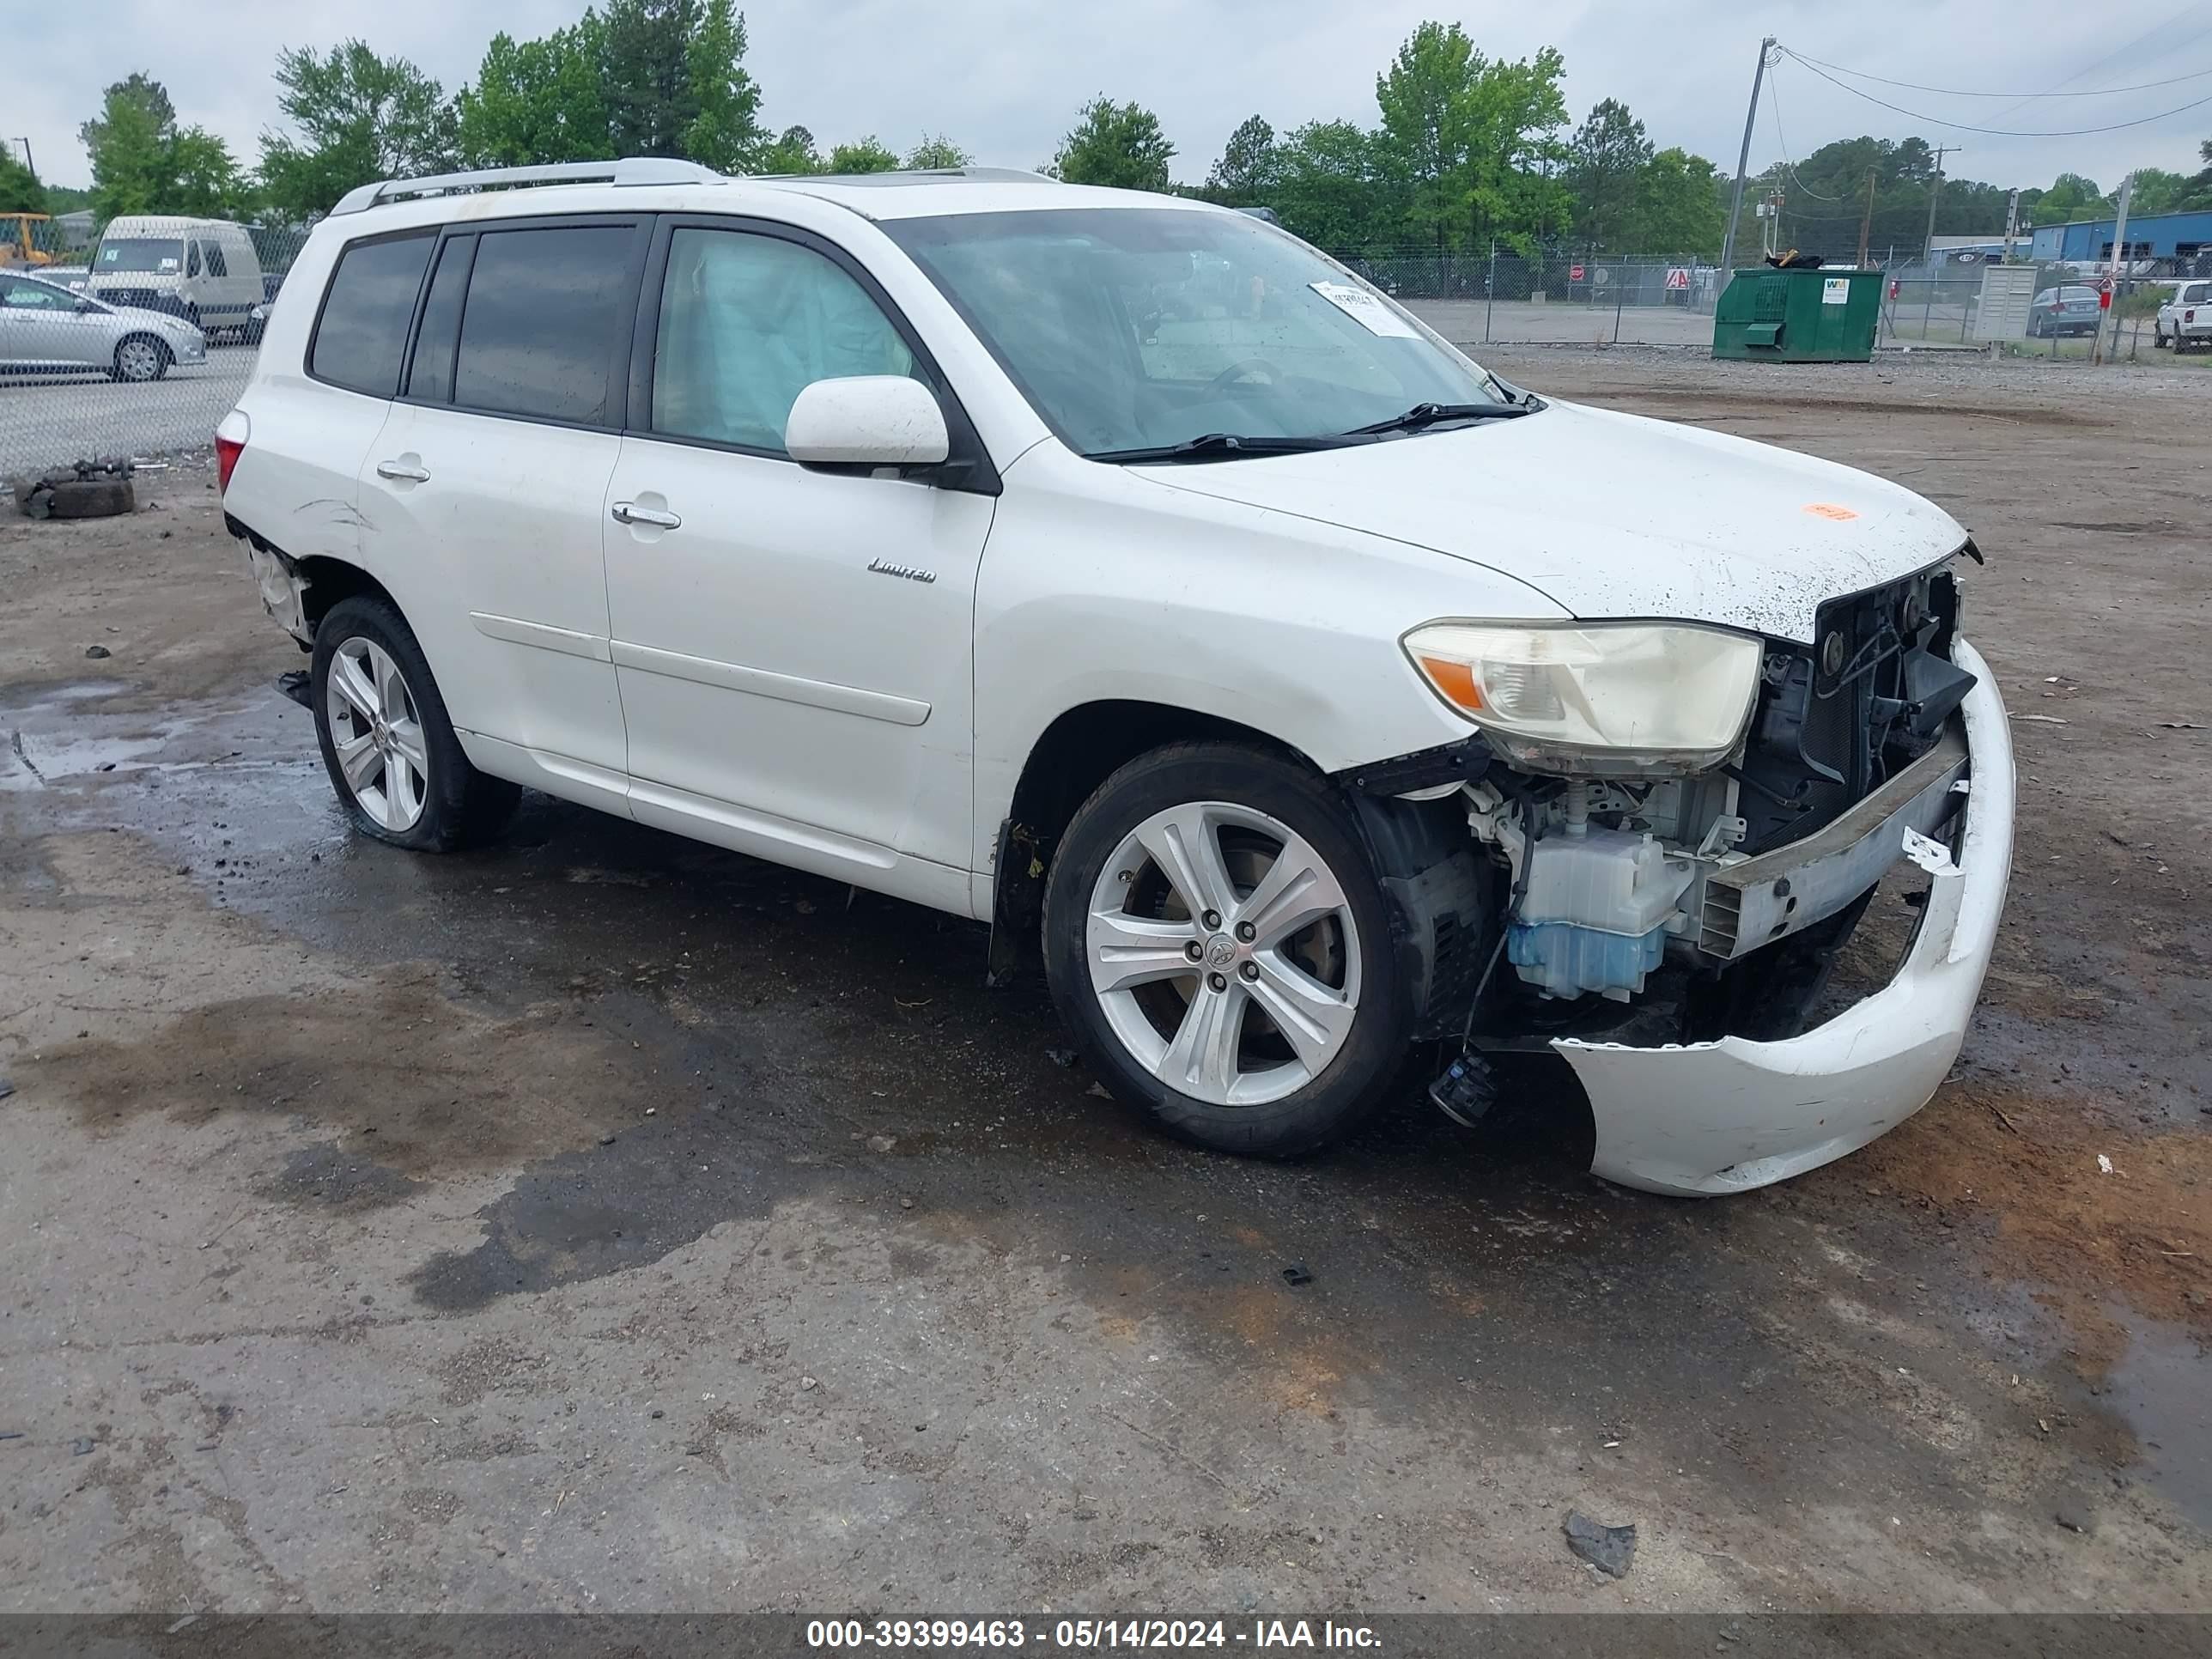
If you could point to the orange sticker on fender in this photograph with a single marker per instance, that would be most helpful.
(1830, 510)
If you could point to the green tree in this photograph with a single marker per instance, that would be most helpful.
(648, 75)
(2070, 197)
(871, 154)
(675, 83)
(1247, 173)
(20, 189)
(2157, 191)
(1675, 209)
(359, 118)
(1340, 187)
(938, 152)
(1606, 162)
(1116, 144)
(144, 162)
(793, 152)
(536, 103)
(1476, 139)
(726, 132)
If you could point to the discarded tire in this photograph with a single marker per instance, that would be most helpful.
(91, 489)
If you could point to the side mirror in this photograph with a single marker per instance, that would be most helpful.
(867, 421)
(83, 304)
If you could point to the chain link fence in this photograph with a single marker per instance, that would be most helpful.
(1500, 297)
(134, 346)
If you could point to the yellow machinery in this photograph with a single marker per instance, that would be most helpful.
(17, 245)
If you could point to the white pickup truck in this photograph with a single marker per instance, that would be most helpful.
(2185, 322)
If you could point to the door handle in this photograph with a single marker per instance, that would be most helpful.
(402, 470)
(631, 513)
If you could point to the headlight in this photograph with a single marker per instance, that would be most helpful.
(1618, 698)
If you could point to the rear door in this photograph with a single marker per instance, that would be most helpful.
(489, 482)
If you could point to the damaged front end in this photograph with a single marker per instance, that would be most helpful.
(1669, 933)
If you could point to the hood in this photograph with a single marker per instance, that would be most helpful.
(1614, 515)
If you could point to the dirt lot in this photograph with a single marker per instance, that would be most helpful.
(607, 1222)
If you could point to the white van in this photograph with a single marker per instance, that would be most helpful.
(204, 271)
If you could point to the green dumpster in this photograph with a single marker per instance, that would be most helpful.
(1819, 316)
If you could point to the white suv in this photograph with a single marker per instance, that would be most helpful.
(1122, 572)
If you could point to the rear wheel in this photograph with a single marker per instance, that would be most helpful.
(1217, 939)
(386, 742)
(141, 358)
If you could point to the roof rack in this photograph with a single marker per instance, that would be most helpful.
(630, 170)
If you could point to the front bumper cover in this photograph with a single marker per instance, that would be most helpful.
(1702, 1119)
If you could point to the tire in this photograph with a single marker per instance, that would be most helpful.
(378, 708)
(1251, 1090)
(140, 359)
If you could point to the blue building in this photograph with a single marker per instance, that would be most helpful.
(2156, 236)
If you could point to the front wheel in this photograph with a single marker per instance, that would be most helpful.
(1217, 939)
(386, 742)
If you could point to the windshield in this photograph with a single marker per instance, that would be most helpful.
(1134, 328)
(157, 253)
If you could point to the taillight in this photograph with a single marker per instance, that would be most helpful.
(2190, 315)
(229, 444)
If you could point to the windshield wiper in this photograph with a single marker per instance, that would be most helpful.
(1427, 414)
(1223, 446)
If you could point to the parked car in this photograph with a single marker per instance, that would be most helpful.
(2185, 322)
(2069, 308)
(1286, 694)
(46, 329)
(204, 271)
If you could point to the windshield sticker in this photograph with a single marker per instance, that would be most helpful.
(1830, 510)
(168, 264)
(1364, 308)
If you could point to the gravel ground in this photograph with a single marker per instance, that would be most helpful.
(605, 1221)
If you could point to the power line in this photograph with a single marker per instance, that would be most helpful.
(1790, 167)
(2001, 132)
(2158, 28)
(2025, 97)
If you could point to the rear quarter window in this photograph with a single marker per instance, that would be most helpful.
(362, 333)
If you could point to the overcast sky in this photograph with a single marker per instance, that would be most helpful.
(1004, 79)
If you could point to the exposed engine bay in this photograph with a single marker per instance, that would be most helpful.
(1614, 884)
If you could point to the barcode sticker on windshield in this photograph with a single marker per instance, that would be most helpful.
(1364, 308)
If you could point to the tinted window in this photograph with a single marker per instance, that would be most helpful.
(543, 311)
(432, 377)
(749, 322)
(363, 332)
(215, 267)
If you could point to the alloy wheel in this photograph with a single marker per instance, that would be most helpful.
(139, 360)
(377, 734)
(1224, 953)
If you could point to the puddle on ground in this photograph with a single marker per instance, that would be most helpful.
(2161, 1388)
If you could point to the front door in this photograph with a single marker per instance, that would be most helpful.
(793, 647)
(41, 326)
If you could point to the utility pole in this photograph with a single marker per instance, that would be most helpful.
(1934, 194)
(2119, 264)
(2012, 224)
(1743, 160)
(1866, 219)
(28, 161)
